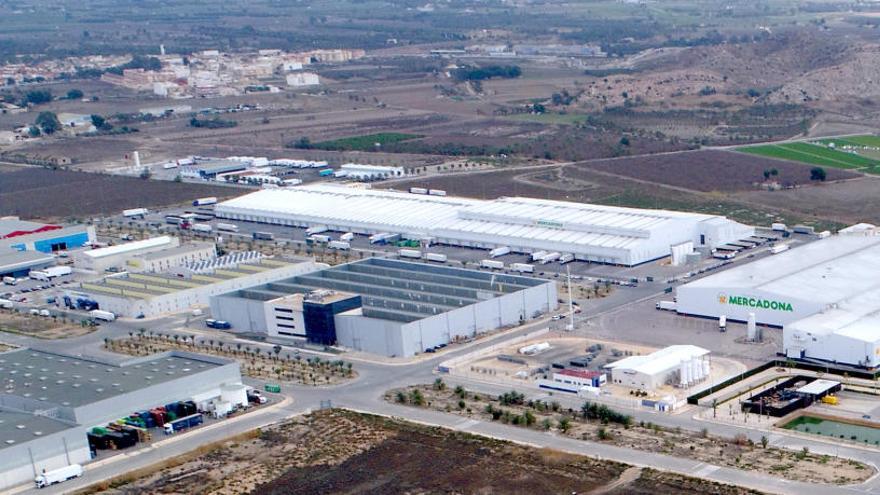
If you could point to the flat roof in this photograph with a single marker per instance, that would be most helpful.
(515, 221)
(828, 271)
(61, 380)
(395, 289)
(18, 427)
(181, 249)
(12, 259)
(9, 226)
(152, 242)
(817, 387)
(661, 360)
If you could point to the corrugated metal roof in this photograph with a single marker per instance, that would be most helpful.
(153, 242)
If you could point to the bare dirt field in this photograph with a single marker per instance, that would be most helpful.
(40, 193)
(337, 451)
(847, 202)
(708, 170)
(618, 429)
(42, 327)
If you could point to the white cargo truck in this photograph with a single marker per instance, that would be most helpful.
(98, 314)
(50, 273)
(550, 257)
(438, 257)
(538, 255)
(205, 201)
(418, 190)
(566, 258)
(6, 304)
(227, 227)
(202, 227)
(437, 192)
(340, 245)
(499, 251)
(779, 248)
(59, 475)
(409, 253)
(666, 305)
(779, 227)
(135, 212)
(316, 229)
(320, 239)
(522, 267)
(491, 264)
(10, 280)
(347, 237)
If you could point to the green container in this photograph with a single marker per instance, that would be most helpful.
(171, 416)
(273, 388)
(99, 431)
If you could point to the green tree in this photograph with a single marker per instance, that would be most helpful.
(48, 122)
(98, 121)
(817, 173)
(74, 94)
(564, 424)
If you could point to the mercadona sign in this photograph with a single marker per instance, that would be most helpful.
(755, 302)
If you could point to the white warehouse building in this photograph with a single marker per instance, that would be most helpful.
(825, 295)
(678, 365)
(604, 234)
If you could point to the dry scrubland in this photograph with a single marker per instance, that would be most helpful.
(618, 429)
(337, 451)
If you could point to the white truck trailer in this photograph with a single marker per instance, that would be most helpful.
(135, 212)
(98, 314)
(538, 255)
(50, 273)
(492, 265)
(202, 227)
(550, 257)
(227, 227)
(340, 245)
(499, 251)
(59, 475)
(438, 257)
(410, 253)
(522, 267)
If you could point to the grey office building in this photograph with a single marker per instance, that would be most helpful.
(384, 306)
(50, 401)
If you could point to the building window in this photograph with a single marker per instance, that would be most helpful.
(286, 318)
(284, 310)
(287, 326)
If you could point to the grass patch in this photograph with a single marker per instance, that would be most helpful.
(551, 118)
(367, 142)
(811, 154)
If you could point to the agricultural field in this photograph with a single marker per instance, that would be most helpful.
(337, 451)
(819, 153)
(708, 170)
(369, 142)
(41, 193)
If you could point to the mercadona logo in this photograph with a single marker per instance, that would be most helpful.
(755, 302)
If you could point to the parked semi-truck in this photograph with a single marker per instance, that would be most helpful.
(327, 172)
(409, 253)
(347, 237)
(666, 305)
(436, 192)
(263, 236)
(205, 201)
(340, 245)
(316, 229)
(227, 227)
(491, 264)
(538, 255)
(50, 273)
(59, 475)
(183, 423)
(779, 248)
(102, 315)
(135, 212)
(418, 190)
(550, 257)
(779, 227)
(566, 258)
(522, 267)
(202, 227)
(438, 257)
(499, 251)
(384, 238)
(724, 255)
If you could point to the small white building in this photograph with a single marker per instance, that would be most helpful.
(300, 79)
(115, 257)
(680, 365)
(166, 259)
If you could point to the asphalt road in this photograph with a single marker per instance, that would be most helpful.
(365, 393)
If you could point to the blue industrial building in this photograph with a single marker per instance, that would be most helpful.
(31, 236)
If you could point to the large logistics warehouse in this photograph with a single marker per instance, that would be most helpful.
(605, 234)
(33, 236)
(51, 400)
(825, 295)
(388, 307)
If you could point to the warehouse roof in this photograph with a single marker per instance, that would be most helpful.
(152, 242)
(530, 223)
(61, 380)
(828, 271)
(659, 361)
(398, 290)
(13, 227)
(12, 260)
(177, 250)
(17, 427)
(817, 387)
